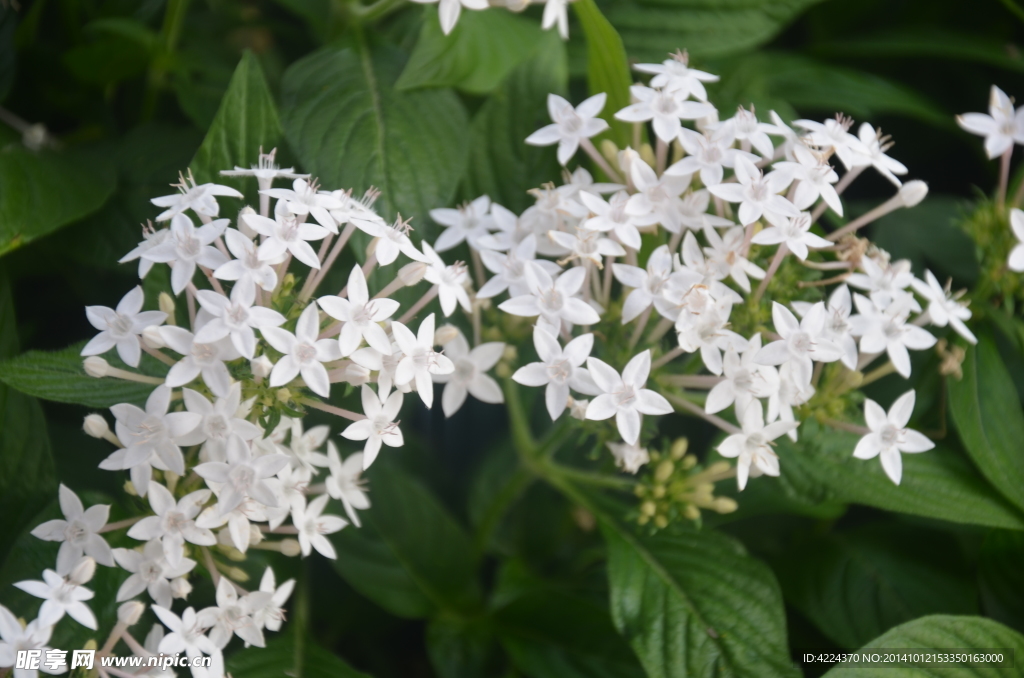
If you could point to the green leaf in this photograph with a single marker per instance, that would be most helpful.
(352, 129)
(483, 48)
(281, 657)
(410, 556)
(939, 483)
(942, 632)
(693, 603)
(1001, 578)
(987, 413)
(59, 376)
(927, 42)
(246, 121)
(43, 191)
(856, 585)
(607, 67)
(459, 648)
(501, 165)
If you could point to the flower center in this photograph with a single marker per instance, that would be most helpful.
(120, 326)
(305, 353)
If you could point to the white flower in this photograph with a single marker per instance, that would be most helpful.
(265, 171)
(448, 10)
(693, 209)
(744, 380)
(79, 532)
(570, 125)
(174, 523)
(450, 280)
(360, 315)
(150, 571)
(558, 370)
(235, 318)
(272, 613)
(509, 268)
(554, 299)
(611, 216)
(186, 247)
(199, 358)
(303, 199)
(313, 526)
(792, 393)
(201, 199)
(889, 331)
(304, 447)
(419, 359)
(581, 181)
(242, 475)
(121, 328)
(703, 327)
(470, 375)
(149, 435)
(890, 436)
(15, 639)
(675, 75)
(625, 396)
(945, 308)
(814, 177)
(802, 342)
(346, 483)
(726, 253)
(1016, 261)
(837, 328)
(665, 108)
(303, 353)
(629, 457)
(752, 445)
(150, 239)
(392, 239)
(379, 427)
(285, 233)
(553, 211)
(1001, 127)
(557, 12)
(706, 155)
(757, 193)
(874, 146)
(220, 421)
(795, 233)
(834, 133)
(468, 223)
(587, 245)
(233, 615)
(186, 633)
(711, 272)
(885, 282)
(60, 596)
(250, 267)
(649, 285)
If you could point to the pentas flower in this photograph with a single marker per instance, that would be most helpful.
(265, 170)
(249, 268)
(313, 527)
(187, 633)
(587, 245)
(450, 280)
(872, 152)
(625, 397)
(303, 199)
(886, 282)
(509, 268)
(150, 572)
(693, 208)
(379, 427)
(14, 639)
(79, 532)
(201, 199)
(1016, 261)
(834, 133)
(570, 125)
(556, 12)
(419, 359)
(744, 380)
(801, 343)
(705, 329)
(121, 328)
(509, 230)
(285, 233)
(470, 375)
(675, 75)
(553, 211)
(706, 155)
(757, 194)
(305, 445)
(1002, 127)
(469, 223)
(752, 445)
(60, 596)
(220, 421)
(242, 475)
(725, 252)
(235, 318)
(612, 217)
(837, 328)
(559, 369)
(888, 331)
(792, 393)
(448, 10)
(150, 238)
(303, 353)
(272, 613)
(206, 359)
(890, 436)
(360, 315)
(629, 458)
(554, 299)
(581, 181)
(814, 177)
(186, 247)
(944, 308)
(233, 615)
(664, 108)
(346, 483)
(391, 240)
(744, 127)
(174, 522)
(711, 271)
(648, 285)
(793, 232)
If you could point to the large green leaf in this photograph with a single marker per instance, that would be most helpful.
(942, 632)
(410, 556)
(460, 648)
(281, 657)
(352, 129)
(43, 191)
(924, 42)
(987, 413)
(59, 376)
(483, 48)
(856, 585)
(1001, 577)
(939, 483)
(246, 121)
(607, 67)
(693, 603)
(501, 165)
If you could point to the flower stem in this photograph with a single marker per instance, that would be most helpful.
(588, 146)
(877, 373)
(684, 404)
(418, 306)
(780, 254)
(120, 524)
(331, 409)
(1004, 177)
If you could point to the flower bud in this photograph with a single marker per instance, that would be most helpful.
(647, 155)
(95, 425)
(444, 334)
(83, 572)
(412, 273)
(238, 574)
(290, 547)
(679, 448)
(244, 227)
(578, 409)
(35, 137)
(166, 304)
(913, 192)
(152, 337)
(724, 504)
(357, 375)
(284, 395)
(129, 489)
(261, 367)
(129, 613)
(180, 588)
(609, 150)
(96, 366)
(691, 512)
